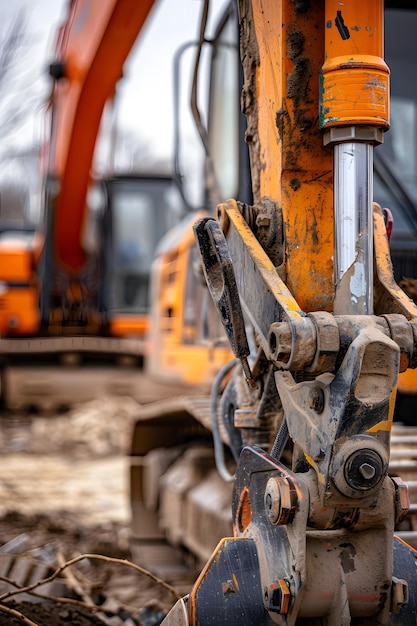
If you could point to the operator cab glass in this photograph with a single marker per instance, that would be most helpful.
(142, 210)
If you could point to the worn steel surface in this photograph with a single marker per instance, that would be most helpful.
(282, 50)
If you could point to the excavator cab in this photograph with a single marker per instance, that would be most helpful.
(139, 210)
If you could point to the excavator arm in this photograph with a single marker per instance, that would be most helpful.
(91, 49)
(314, 508)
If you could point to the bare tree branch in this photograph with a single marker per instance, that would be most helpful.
(18, 615)
(11, 46)
(97, 557)
(20, 96)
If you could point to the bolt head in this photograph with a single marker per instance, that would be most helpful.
(272, 500)
(279, 597)
(367, 471)
(364, 469)
(316, 399)
(280, 500)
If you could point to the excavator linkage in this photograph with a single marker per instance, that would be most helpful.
(314, 510)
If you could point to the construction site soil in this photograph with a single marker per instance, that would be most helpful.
(64, 494)
(53, 616)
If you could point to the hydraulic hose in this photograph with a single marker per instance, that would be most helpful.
(217, 440)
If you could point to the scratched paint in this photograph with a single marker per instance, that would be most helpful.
(358, 283)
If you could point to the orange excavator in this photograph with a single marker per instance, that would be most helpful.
(76, 289)
(91, 49)
(302, 280)
(93, 42)
(306, 270)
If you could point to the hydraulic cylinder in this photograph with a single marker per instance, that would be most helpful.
(354, 113)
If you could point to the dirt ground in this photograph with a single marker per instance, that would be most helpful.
(42, 614)
(47, 540)
(64, 492)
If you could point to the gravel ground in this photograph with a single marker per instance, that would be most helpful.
(64, 492)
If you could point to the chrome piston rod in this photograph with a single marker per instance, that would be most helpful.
(353, 193)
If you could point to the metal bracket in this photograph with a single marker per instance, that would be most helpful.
(220, 278)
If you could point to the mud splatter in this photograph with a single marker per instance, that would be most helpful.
(249, 53)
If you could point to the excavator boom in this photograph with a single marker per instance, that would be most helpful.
(91, 49)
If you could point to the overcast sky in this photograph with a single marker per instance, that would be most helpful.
(145, 105)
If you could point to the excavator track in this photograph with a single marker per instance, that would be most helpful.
(197, 407)
(180, 504)
(403, 463)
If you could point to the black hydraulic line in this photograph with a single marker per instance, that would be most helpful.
(217, 440)
(211, 174)
(176, 95)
